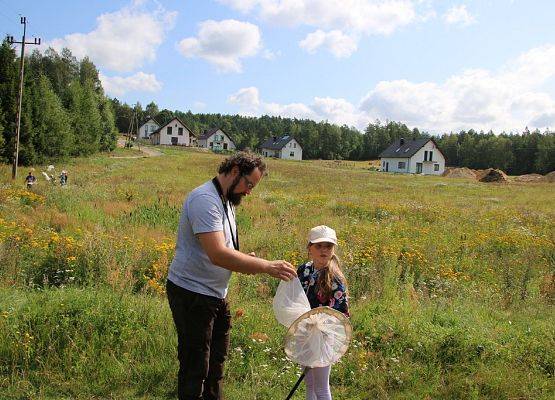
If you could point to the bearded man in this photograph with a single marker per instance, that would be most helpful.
(206, 253)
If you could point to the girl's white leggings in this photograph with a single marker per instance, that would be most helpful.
(317, 382)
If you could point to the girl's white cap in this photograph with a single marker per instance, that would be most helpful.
(322, 233)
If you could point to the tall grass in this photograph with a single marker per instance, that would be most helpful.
(452, 282)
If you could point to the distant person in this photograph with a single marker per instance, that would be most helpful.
(206, 253)
(30, 180)
(63, 178)
(324, 285)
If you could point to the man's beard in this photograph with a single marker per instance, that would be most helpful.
(234, 198)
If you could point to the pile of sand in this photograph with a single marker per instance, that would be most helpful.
(480, 173)
(530, 178)
(463, 172)
(494, 175)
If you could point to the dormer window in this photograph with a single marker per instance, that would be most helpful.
(408, 148)
(396, 151)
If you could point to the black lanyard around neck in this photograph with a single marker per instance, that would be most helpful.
(234, 239)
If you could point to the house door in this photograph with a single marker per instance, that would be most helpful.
(174, 141)
(418, 167)
(387, 166)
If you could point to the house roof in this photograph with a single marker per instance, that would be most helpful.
(169, 122)
(148, 119)
(276, 143)
(407, 149)
(209, 132)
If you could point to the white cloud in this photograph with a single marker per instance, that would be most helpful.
(506, 100)
(509, 99)
(247, 99)
(223, 43)
(270, 55)
(371, 16)
(123, 40)
(292, 110)
(347, 18)
(338, 111)
(459, 15)
(199, 105)
(141, 82)
(339, 44)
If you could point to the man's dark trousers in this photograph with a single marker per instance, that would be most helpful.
(203, 324)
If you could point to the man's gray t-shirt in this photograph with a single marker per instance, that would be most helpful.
(191, 268)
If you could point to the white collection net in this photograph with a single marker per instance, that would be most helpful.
(315, 338)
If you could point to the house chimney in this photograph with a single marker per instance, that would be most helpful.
(402, 141)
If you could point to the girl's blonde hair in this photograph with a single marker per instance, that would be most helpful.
(328, 274)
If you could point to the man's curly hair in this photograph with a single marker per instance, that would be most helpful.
(245, 160)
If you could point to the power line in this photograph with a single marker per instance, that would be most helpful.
(6, 17)
(8, 7)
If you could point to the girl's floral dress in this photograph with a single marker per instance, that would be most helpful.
(308, 275)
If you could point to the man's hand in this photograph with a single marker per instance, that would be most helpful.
(281, 269)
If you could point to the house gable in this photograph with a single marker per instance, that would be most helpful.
(174, 132)
(147, 128)
(285, 147)
(420, 156)
(216, 139)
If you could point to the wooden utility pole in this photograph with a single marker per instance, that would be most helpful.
(20, 97)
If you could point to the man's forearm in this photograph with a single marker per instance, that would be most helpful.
(237, 261)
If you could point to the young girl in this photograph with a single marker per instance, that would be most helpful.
(324, 285)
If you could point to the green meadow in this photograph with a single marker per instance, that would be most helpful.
(452, 281)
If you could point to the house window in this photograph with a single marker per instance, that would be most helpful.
(169, 130)
(436, 167)
(292, 154)
(180, 131)
(431, 152)
(211, 144)
(401, 165)
(294, 145)
(426, 155)
(225, 146)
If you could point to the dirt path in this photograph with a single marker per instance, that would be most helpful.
(147, 151)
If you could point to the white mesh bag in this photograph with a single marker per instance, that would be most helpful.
(315, 338)
(290, 302)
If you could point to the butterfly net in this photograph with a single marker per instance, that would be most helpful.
(315, 337)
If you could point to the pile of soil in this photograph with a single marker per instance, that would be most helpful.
(494, 175)
(459, 173)
(550, 177)
(480, 173)
(530, 178)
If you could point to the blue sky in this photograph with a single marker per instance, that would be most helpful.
(437, 65)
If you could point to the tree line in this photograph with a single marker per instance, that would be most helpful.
(64, 110)
(516, 154)
(66, 113)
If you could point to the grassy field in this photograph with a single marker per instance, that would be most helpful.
(452, 281)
